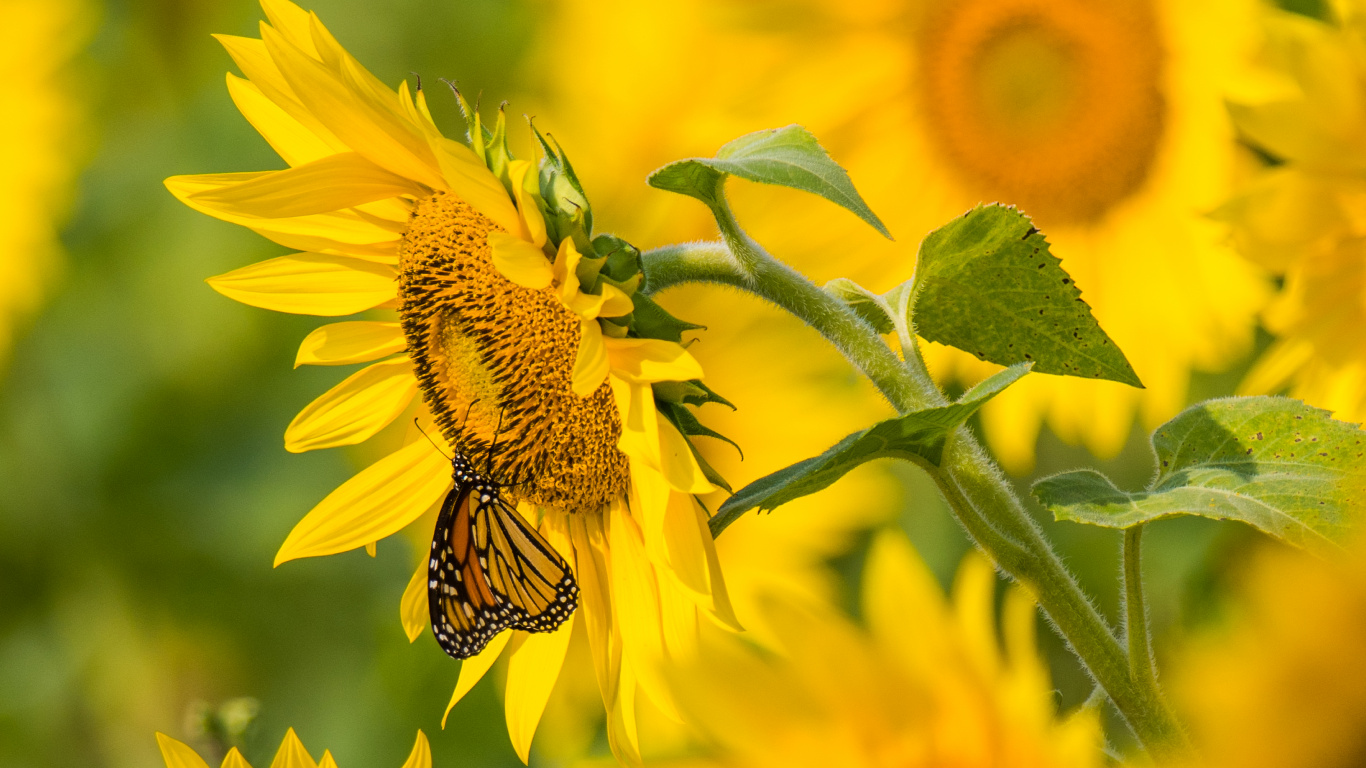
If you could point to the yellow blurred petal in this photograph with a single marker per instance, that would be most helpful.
(472, 181)
(178, 754)
(379, 501)
(421, 756)
(310, 284)
(521, 175)
(532, 671)
(330, 183)
(380, 134)
(234, 759)
(519, 261)
(645, 361)
(292, 753)
(903, 603)
(372, 549)
(473, 669)
(413, 610)
(677, 461)
(974, 603)
(356, 409)
(591, 362)
(327, 760)
(720, 607)
(623, 737)
(686, 541)
(357, 341)
(291, 140)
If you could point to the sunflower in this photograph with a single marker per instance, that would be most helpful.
(1103, 121)
(523, 335)
(1301, 219)
(928, 684)
(1279, 683)
(291, 754)
(42, 124)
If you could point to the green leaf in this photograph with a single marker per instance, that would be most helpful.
(787, 157)
(987, 284)
(917, 436)
(1272, 462)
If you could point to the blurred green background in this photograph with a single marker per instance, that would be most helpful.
(144, 487)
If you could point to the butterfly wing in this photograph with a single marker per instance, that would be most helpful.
(489, 571)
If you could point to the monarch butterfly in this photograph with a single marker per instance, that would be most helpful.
(490, 570)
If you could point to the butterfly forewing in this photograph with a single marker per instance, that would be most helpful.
(490, 570)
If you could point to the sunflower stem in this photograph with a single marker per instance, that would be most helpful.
(974, 486)
(1141, 665)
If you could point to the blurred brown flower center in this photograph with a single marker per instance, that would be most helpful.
(492, 356)
(1051, 105)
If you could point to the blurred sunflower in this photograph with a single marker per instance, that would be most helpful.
(1302, 219)
(514, 329)
(1281, 683)
(39, 155)
(1102, 120)
(291, 754)
(928, 685)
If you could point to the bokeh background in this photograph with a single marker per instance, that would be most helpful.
(144, 487)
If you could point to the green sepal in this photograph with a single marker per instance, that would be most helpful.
(1284, 467)
(568, 213)
(690, 392)
(651, 321)
(787, 157)
(688, 426)
(866, 304)
(917, 436)
(496, 153)
(623, 259)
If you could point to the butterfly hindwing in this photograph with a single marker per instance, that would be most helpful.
(489, 570)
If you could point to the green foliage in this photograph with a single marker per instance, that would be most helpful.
(916, 436)
(787, 157)
(1275, 463)
(987, 284)
(866, 304)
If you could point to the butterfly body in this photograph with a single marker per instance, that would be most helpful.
(489, 570)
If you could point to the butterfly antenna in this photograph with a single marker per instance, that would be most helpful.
(466, 420)
(429, 439)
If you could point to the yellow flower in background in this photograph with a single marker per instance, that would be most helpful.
(929, 683)
(1104, 121)
(291, 754)
(500, 333)
(1281, 684)
(41, 147)
(1303, 219)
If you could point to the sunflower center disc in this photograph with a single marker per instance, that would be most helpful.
(1052, 106)
(488, 351)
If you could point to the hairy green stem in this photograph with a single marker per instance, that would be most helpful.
(975, 488)
(1141, 665)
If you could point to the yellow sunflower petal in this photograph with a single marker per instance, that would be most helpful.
(639, 423)
(254, 60)
(645, 361)
(519, 261)
(356, 409)
(623, 736)
(413, 610)
(234, 759)
(677, 461)
(566, 265)
(612, 302)
(473, 669)
(532, 671)
(382, 135)
(421, 756)
(310, 284)
(292, 753)
(973, 601)
(291, 139)
(178, 754)
(636, 604)
(327, 184)
(292, 22)
(692, 557)
(899, 596)
(533, 224)
(358, 341)
(471, 180)
(327, 760)
(590, 568)
(379, 501)
(591, 362)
